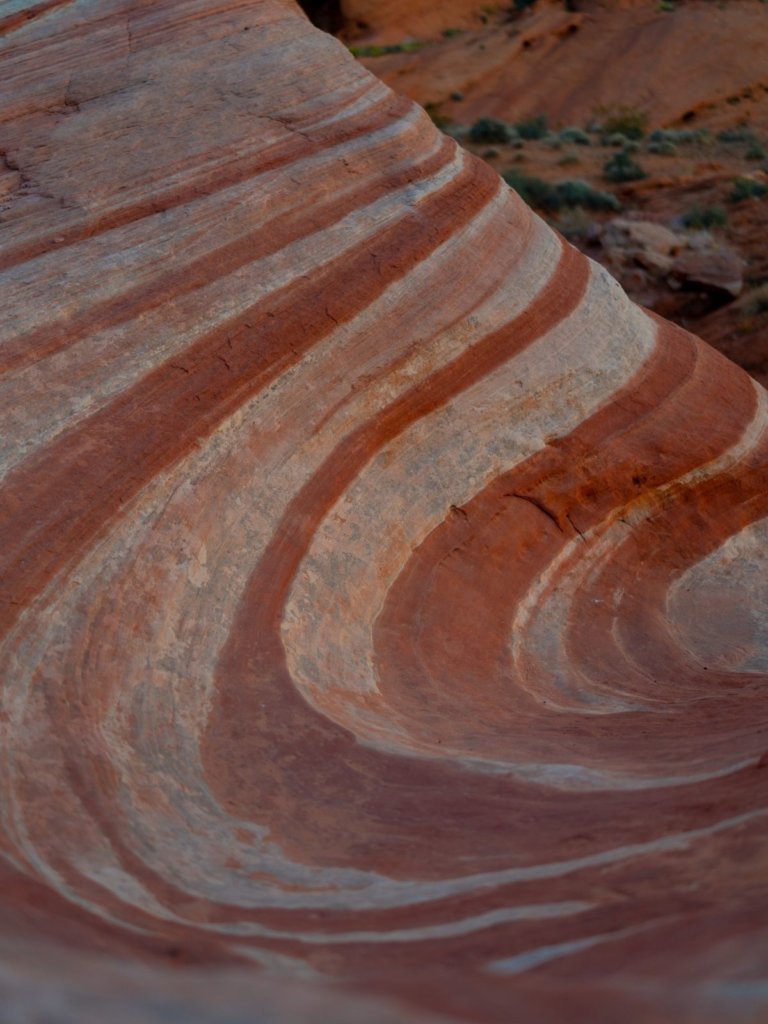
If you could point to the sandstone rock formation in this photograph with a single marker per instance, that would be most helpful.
(383, 594)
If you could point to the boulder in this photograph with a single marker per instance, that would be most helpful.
(719, 269)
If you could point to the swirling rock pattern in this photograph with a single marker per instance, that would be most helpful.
(383, 594)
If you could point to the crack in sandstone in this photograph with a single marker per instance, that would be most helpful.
(539, 504)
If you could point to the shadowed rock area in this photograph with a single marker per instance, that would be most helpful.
(382, 594)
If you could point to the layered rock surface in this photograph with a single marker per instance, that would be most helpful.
(383, 594)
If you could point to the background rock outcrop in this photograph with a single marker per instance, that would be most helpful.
(383, 604)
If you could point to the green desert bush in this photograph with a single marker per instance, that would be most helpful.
(747, 188)
(705, 217)
(438, 119)
(756, 301)
(628, 121)
(534, 191)
(576, 224)
(381, 51)
(662, 148)
(619, 141)
(677, 136)
(576, 135)
(532, 128)
(551, 197)
(741, 133)
(489, 131)
(621, 168)
(575, 192)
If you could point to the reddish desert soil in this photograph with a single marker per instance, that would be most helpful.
(549, 60)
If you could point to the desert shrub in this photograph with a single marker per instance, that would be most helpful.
(627, 121)
(489, 131)
(438, 119)
(747, 188)
(577, 135)
(666, 6)
(741, 133)
(662, 148)
(621, 167)
(677, 136)
(576, 224)
(755, 152)
(534, 191)
(367, 51)
(575, 192)
(756, 301)
(569, 160)
(616, 140)
(570, 193)
(533, 128)
(705, 217)
(460, 132)
(381, 51)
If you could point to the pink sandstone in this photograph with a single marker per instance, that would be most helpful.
(383, 595)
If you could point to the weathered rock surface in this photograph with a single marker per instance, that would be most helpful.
(626, 242)
(383, 594)
(650, 259)
(720, 268)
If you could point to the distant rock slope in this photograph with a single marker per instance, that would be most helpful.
(383, 595)
(398, 18)
(683, 60)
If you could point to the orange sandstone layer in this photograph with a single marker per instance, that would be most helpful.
(383, 604)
